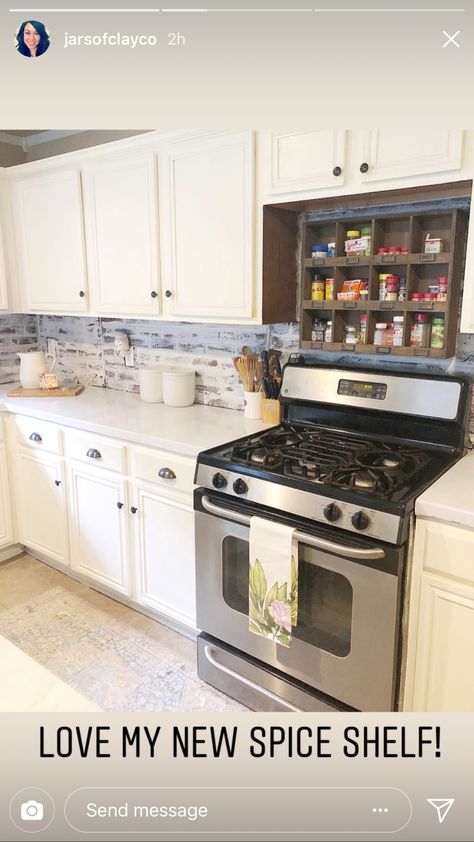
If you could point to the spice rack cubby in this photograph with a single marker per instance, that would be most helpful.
(400, 225)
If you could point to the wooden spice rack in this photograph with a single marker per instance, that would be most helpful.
(398, 225)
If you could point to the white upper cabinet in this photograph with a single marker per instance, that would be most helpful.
(306, 160)
(206, 213)
(400, 153)
(50, 241)
(120, 208)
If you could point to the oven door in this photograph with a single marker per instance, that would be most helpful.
(346, 640)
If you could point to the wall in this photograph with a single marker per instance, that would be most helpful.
(17, 333)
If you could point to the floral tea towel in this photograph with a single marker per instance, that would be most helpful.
(273, 580)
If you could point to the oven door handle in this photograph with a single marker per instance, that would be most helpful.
(253, 686)
(311, 540)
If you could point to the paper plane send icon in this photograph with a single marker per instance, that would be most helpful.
(442, 806)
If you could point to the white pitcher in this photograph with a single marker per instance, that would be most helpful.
(32, 366)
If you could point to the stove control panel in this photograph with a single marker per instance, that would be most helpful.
(362, 389)
(341, 514)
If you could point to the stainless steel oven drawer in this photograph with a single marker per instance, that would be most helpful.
(252, 684)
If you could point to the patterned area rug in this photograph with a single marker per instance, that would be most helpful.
(104, 659)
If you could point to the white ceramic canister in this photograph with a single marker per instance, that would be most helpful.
(179, 386)
(151, 387)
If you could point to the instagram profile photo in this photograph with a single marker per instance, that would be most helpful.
(32, 39)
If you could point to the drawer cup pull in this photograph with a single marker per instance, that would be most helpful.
(93, 453)
(35, 437)
(166, 473)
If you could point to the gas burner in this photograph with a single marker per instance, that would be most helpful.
(266, 458)
(365, 480)
(372, 481)
(391, 460)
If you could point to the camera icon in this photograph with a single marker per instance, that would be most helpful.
(31, 811)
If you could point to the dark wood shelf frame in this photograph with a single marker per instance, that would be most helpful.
(404, 224)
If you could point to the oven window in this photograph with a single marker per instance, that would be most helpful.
(324, 598)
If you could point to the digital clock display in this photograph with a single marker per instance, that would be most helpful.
(362, 389)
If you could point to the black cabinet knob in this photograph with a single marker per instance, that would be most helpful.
(81, 294)
(154, 294)
(133, 510)
(168, 293)
(240, 487)
(364, 167)
(337, 171)
(119, 505)
(35, 437)
(57, 482)
(219, 481)
(332, 512)
(360, 520)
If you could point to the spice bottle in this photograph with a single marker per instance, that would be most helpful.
(437, 332)
(420, 331)
(398, 331)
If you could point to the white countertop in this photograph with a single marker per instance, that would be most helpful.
(451, 498)
(188, 430)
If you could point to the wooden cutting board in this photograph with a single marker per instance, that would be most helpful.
(47, 393)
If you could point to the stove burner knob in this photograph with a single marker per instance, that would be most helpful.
(219, 481)
(360, 520)
(240, 487)
(332, 512)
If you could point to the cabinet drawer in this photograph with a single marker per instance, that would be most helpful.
(38, 434)
(447, 549)
(95, 450)
(168, 470)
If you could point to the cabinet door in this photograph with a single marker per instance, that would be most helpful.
(120, 205)
(444, 678)
(3, 276)
(398, 153)
(6, 526)
(98, 526)
(164, 549)
(206, 195)
(41, 501)
(48, 211)
(306, 160)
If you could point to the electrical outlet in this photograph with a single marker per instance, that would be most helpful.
(129, 358)
(53, 347)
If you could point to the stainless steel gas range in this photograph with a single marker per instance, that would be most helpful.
(344, 468)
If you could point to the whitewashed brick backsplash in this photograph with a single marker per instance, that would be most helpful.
(85, 352)
(17, 334)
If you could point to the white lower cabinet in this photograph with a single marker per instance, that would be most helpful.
(444, 680)
(441, 619)
(99, 530)
(164, 555)
(6, 525)
(41, 503)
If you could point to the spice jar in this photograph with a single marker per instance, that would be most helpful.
(437, 332)
(420, 331)
(397, 339)
(363, 329)
(319, 250)
(367, 233)
(383, 286)
(317, 289)
(381, 334)
(328, 332)
(319, 327)
(329, 289)
(443, 288)
(351, 335)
